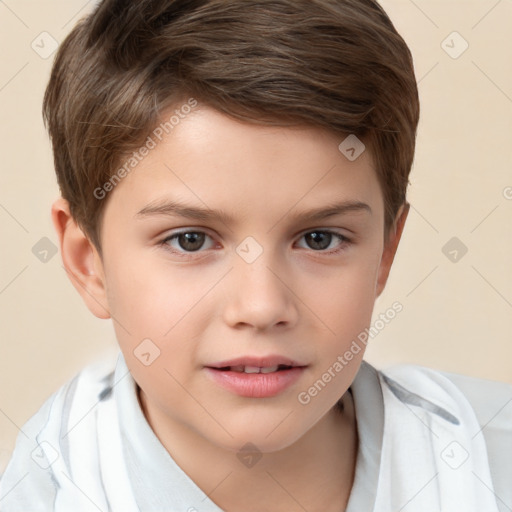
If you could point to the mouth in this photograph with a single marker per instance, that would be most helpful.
(272, 362)
(256, 377)
(254, 369)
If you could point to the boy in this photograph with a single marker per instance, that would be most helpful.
(233, 179)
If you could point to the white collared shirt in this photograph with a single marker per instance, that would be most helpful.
(158, 483)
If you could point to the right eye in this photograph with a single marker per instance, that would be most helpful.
(185, 242)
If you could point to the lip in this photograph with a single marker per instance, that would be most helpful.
(255, 385)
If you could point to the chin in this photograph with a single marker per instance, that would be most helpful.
(259, 443)
(267, 432)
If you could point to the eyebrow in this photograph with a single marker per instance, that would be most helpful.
(174, 208)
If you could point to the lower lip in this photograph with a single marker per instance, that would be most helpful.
(256, 385)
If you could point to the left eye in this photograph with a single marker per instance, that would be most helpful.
(193, 241)
(321, 240)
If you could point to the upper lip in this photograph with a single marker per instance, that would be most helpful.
(257, 362)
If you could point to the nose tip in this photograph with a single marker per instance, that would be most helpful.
(258, 296)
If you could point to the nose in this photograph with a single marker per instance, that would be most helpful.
(259, 295)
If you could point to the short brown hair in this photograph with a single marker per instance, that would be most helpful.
(337, 64)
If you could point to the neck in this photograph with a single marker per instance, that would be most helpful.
(315, 473)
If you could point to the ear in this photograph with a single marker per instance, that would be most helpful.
(81, 260)
(391, 246)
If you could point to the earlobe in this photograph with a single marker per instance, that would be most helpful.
(81, 260)
(391, 247)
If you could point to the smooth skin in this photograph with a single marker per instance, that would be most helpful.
(307, 296)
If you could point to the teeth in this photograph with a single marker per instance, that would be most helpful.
(252, 369)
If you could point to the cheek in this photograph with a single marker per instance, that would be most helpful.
(150, 300)
(345, 305)
(346, 299)
(152, 297)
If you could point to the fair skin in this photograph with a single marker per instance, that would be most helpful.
(200, 302)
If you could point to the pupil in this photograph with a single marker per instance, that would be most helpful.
(317, 237)
(191, 241)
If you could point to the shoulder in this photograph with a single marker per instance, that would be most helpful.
(89, 383)
(490, 401)
(28, 482)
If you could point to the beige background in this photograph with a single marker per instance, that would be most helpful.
(457, 316)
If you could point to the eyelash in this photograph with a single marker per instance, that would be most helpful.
(344, 241)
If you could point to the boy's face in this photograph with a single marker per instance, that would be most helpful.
(271, 282)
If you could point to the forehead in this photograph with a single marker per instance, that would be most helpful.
(215, 161)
